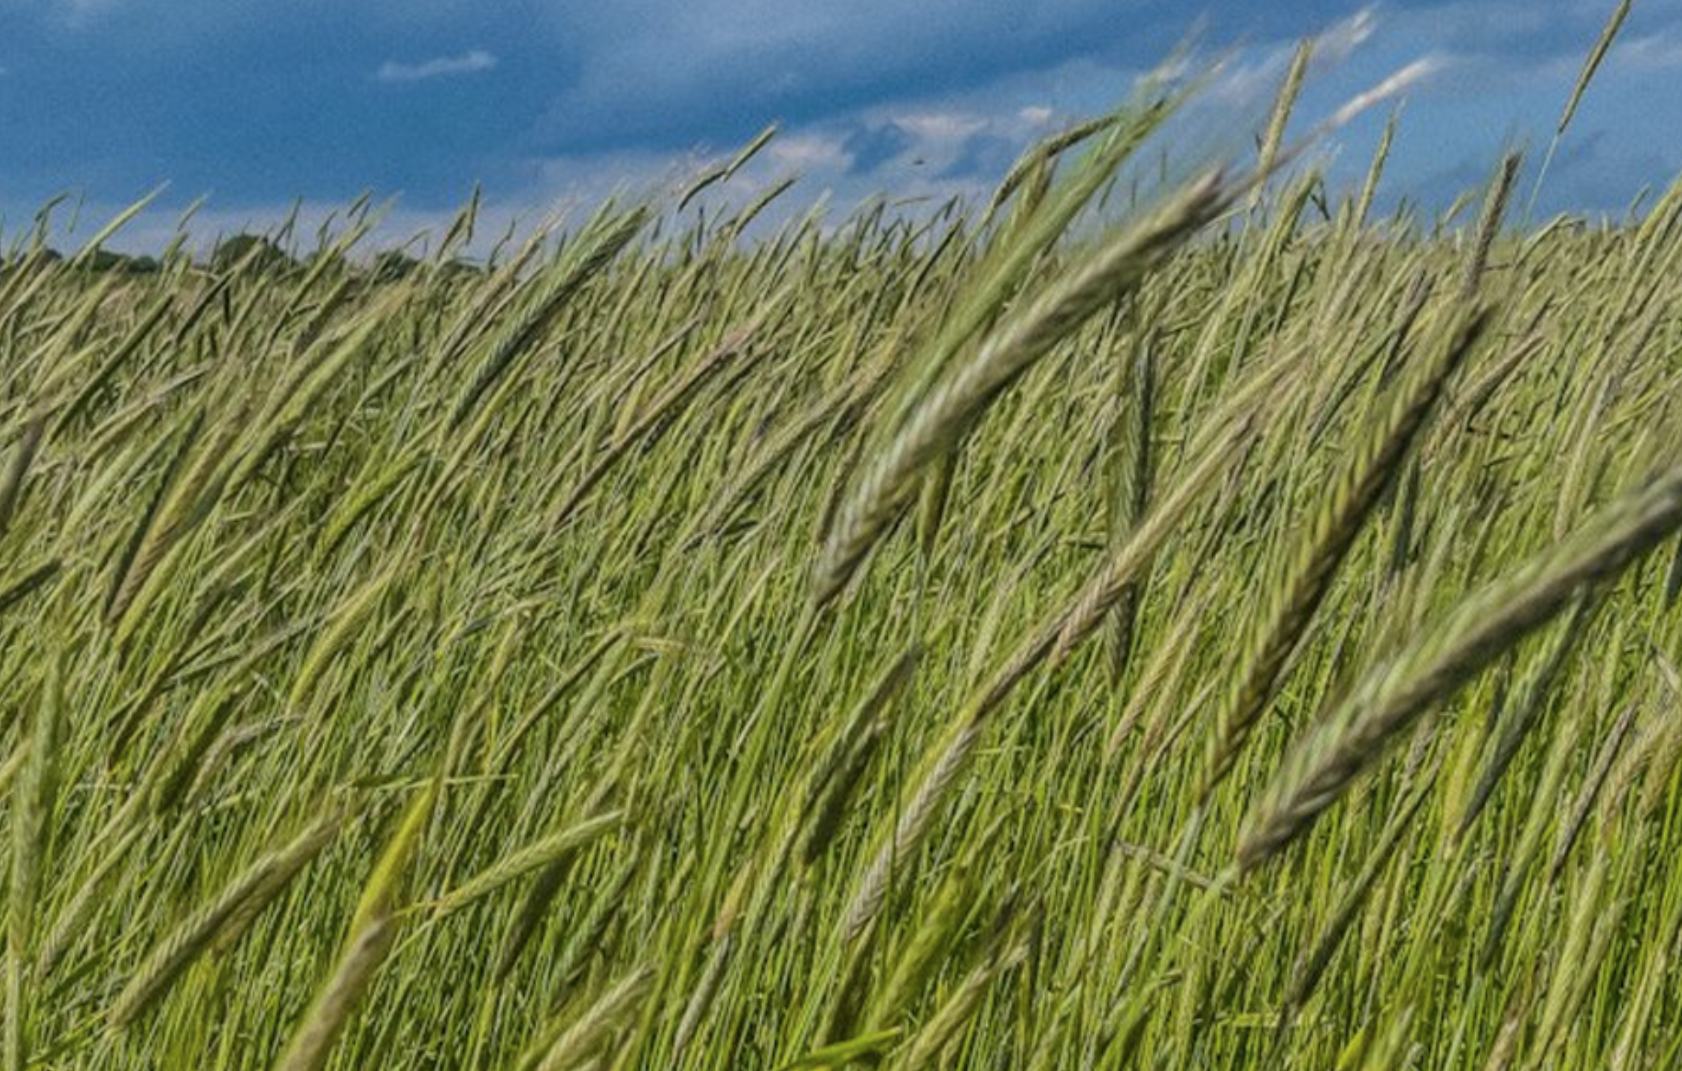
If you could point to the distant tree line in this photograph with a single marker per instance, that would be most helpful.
(251, 253)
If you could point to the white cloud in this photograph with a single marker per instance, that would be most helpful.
(942, 126)
(1654, 52)
(1337, 43)
(441, 67)
(80, 14)
(1397, 84)
(808, 152)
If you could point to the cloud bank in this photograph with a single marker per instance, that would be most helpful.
(265, 101)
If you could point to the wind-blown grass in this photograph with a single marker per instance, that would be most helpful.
(479, 667)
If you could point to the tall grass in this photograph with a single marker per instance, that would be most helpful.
(524, 664)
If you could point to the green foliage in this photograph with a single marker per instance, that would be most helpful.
(256, 253)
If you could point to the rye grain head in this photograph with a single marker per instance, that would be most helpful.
(1218, 448)
(1022, 338)
(1327, 759)
(1128, 482)
(252, 889)
(1290, 603)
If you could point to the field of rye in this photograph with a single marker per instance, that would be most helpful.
(1240, 634)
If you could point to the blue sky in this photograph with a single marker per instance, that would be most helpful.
(258, 103)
